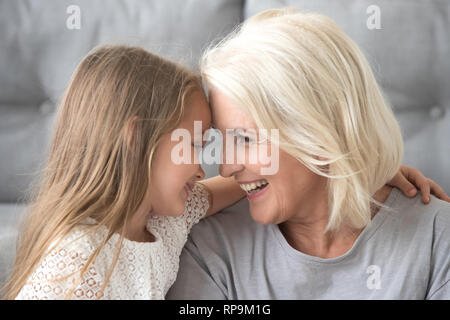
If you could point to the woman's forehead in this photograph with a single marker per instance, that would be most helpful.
(226, 114)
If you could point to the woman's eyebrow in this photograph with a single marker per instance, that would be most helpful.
(238, 130)
(234, 130)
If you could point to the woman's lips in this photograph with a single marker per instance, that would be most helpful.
(255, 195)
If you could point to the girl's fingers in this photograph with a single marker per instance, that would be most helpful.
(438, 191)
(400, 182)
(420, 181)
(408, 179)
(425, 189)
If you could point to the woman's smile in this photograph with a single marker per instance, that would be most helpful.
(254, 189)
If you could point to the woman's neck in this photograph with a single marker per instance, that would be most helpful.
(307, 234)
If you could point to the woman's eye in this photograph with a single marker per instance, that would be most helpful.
(244, 139)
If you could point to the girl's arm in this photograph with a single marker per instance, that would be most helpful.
(223, 192)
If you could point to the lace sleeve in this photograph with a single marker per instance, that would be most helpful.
(197, 205)
(59, 273)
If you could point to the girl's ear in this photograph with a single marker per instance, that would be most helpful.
(130, 131)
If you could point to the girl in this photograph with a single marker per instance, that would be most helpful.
(112, 211)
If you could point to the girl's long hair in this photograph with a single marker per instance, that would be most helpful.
(93, 168)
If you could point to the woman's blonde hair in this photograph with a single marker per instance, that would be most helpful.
(300, 73)
(96, 168)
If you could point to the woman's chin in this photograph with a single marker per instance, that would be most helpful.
(262, 216)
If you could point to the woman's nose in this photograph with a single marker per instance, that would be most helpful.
(228, 170)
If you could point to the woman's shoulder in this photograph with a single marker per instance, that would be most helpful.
(414, 207)
(233, 225)
(415, 218)
(441, 212)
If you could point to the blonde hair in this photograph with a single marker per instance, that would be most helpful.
(299, 73)
(94, 169)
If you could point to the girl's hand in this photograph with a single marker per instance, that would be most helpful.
(407, 179)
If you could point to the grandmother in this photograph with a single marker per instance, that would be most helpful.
(326, 225)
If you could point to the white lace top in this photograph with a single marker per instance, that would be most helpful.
(144, 270)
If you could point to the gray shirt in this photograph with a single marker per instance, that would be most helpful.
(403, 254)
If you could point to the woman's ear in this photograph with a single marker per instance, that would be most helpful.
(130, 131)
(323, 168)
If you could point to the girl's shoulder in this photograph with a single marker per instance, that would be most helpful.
(195, 209)
(82, 238)
(62, 269)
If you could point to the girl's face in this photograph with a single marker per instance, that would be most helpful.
(171, 183)
(287, 192)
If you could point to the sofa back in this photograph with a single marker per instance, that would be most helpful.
(41, 43)
(41, 46)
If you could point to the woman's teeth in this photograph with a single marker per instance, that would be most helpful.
(254, 186)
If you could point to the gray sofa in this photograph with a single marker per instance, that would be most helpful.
(410, 54)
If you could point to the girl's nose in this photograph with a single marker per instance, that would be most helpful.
(200, 173)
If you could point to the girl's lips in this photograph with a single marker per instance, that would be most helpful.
(190, 185)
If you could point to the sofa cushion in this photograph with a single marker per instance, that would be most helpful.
(24, 136)
(9, 221)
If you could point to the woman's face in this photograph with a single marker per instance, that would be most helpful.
(289, 191)
(171, 183)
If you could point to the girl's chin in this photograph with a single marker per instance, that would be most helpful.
(178, 212)
(181, 208)
(177, 207)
